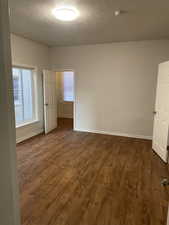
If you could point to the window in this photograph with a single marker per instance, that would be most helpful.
(24, 95)
(68, 86)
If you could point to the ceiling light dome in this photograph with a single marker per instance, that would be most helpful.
(65, 13)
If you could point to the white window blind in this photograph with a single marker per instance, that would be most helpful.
(23, 88)
(68, 86)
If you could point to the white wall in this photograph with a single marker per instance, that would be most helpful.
(30, 53)
(115, 84)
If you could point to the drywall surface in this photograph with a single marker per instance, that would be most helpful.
(115, 84)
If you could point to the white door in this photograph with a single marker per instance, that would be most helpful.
(161, 113)
(168, 216)
(50, 100)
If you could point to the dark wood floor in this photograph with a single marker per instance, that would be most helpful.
(75, 178)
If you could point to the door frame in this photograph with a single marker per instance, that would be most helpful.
(74, 89)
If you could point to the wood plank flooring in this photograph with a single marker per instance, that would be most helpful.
(76, 178)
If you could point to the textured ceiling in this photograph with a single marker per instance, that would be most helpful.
(142, 20)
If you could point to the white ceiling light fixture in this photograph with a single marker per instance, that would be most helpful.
(117, 12)
(66, 13)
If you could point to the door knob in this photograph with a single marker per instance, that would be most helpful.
(46, 104)
(154, 112)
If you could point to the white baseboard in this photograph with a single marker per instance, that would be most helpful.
(31, 134)
(34, 133)
(116, 134)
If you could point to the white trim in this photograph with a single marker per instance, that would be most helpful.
(31, 134)
(27, 123)
(35, 94)
(75, 100)
(24, 66)
(115, 134)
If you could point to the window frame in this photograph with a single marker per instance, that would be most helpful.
(34, 94)
(62, 84)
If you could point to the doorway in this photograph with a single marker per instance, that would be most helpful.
(65, 81)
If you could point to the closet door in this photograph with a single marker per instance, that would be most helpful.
(50, 100)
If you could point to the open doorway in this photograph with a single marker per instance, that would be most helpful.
(65, 98)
